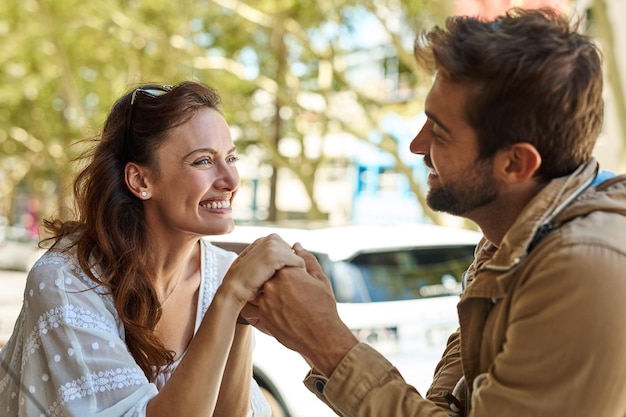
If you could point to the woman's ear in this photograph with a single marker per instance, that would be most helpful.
(135, 178)
(518, 163)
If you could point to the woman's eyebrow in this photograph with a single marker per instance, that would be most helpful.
(209, 150)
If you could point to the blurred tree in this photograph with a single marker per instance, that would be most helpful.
(603, 29)
(302, 53)
(65, 62)
(281, 67)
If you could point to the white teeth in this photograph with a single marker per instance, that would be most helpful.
(217, 204)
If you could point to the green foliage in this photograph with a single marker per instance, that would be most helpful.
(66, 61)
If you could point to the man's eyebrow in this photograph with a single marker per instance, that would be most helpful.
(437, 121)
(208, 150)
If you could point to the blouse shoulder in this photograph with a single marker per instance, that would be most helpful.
(218, 251)
(61, 261)
(216, 259)
(215, 264)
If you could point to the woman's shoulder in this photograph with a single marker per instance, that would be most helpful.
(60, 263)
(59, 293)
(58, 255)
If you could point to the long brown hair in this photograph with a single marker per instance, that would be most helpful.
(535, 79)
(110, 233)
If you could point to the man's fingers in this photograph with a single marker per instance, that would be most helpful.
(312, 265)
(249, 313)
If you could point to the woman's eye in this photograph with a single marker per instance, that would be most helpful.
(203, 161)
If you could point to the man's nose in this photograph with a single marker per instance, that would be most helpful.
(421, 142)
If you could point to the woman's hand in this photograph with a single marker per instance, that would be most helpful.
(258, 263)
(250, 312)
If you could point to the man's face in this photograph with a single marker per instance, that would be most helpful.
(463, 193)
(459, 181)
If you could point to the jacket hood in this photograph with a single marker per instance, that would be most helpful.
(608, 196)
(561, 200)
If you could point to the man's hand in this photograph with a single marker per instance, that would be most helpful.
(298, 308)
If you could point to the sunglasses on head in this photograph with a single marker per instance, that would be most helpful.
(150, 91)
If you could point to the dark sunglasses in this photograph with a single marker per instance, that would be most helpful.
(150, 91)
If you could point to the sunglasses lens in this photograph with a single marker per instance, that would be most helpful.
(152, 92)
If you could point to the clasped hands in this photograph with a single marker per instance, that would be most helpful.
(295, 293)
(290, 291)
(294, 302)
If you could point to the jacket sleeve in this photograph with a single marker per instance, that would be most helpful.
(448, 373)
(365, 384)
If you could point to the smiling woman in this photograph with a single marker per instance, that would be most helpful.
(132, 311)
(202, 206)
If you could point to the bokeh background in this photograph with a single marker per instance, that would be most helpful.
(322, 96)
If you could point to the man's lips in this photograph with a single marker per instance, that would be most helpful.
(429, 164)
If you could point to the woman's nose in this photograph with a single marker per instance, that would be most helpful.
(229, 178)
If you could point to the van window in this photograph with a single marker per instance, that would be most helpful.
(402, 274)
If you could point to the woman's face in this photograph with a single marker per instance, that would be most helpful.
(195, 178)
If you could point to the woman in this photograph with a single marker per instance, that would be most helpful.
(127, 313)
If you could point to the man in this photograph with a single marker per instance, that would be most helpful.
(513, 115)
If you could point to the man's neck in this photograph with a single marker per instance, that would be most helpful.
(496, 218)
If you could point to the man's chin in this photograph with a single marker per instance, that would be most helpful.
(440, 201)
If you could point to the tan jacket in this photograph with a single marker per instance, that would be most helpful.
(541, 331)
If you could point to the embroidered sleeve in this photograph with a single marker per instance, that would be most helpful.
(68, 356)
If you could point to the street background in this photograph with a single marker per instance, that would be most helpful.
(11, 294)
(339, 158)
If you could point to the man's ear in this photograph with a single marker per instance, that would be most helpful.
(518, 163)
(136, 181)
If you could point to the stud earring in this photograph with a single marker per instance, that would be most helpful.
(143, 193)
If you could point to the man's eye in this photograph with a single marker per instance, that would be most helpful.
(435, 134)
(232, 159)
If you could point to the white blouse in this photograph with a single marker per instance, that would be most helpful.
(67, 356)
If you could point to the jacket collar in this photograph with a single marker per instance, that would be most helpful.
(546, 208)
(543, 209)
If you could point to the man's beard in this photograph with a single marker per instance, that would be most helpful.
(466, 193)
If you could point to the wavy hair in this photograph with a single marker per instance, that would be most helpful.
(110, 233)
(534, 79)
